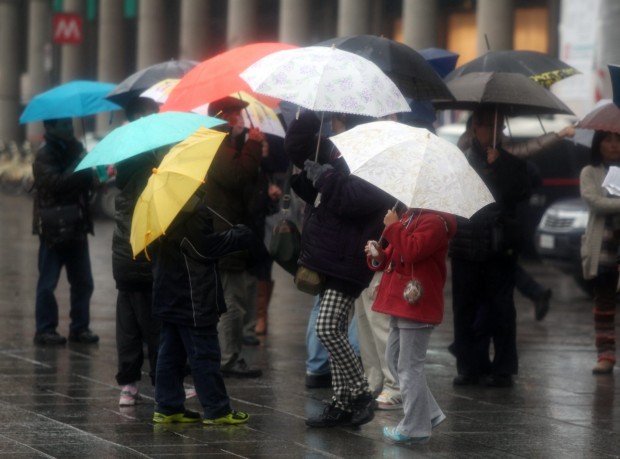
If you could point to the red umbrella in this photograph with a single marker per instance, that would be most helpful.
(218, 77)
(604, 118)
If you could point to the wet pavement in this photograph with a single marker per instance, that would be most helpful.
(63, 402)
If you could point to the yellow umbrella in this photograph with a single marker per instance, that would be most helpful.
(171, 185)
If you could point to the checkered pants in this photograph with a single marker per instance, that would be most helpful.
(348, 379)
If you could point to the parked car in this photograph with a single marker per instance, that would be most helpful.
(558, 237)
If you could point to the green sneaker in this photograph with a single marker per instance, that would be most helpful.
(186, 416)
(234, 417)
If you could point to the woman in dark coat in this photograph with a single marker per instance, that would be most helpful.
(342, 213)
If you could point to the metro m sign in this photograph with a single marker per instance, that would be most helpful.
(67, 29)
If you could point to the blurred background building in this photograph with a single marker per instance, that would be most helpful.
(47, 42)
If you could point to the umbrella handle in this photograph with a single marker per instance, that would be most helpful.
(246, 110)
(220, 216)
(318, 142)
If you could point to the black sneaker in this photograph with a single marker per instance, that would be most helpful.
(332, 416)
(318, 381)
(49, 339)
(499, 381)
(363, 409)
(465, 380)
(240, 369)
(85, 337)
(541, 305)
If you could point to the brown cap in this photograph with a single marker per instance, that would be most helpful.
(226, 104)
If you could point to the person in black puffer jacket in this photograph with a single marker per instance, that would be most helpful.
(342, 213)
(62, 220)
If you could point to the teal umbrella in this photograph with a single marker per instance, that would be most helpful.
(145, 134)
(69, 100)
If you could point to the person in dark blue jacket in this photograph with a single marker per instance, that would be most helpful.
(342, 213)
(188, 299)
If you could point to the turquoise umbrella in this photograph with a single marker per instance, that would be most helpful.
(145, 134)
(69, 100)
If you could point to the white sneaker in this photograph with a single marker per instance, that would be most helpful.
(129, 395)
(388, 401)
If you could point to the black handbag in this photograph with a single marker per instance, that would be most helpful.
(285, 245)
(285, 242)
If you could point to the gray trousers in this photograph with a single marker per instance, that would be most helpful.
(405, 354)
(372, 330)
(240, 296)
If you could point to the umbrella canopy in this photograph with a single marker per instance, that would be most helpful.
(171, 185)
(606, 117)
(415, 166)
(614, 73)
(145, 134)
(140, 81)
(326, 79)
(542, 68)
(218, 77)
(442, 60)
(69, 100)
(410, 71)
(512, 93)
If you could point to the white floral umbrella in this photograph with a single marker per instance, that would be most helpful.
(415, 166)
(326, 80)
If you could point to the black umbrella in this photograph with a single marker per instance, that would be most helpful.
(413, 75)
(511, 93)
(138, 82)
(542, 68)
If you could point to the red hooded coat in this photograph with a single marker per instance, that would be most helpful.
(417, 250)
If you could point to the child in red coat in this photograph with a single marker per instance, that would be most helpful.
(411, 292)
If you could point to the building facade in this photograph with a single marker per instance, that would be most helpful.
(118, 37)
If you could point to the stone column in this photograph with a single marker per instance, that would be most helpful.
(240, 22)
(152, 34)
(420, 23)
(353, 17)
(39, 57)
(111, 45)
(194, 33)
(294, 22)
(72, 62)
(9, 75)
(494, 20)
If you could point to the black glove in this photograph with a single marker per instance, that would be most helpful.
(314, 170)
(244, 235)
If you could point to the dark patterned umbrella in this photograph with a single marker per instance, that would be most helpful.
(140, 81)
(540, 67)
(512, 93)
(411, 73)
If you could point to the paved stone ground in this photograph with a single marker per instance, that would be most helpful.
(63, 402)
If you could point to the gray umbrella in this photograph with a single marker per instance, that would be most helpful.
(511, 93)
(140, 81)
